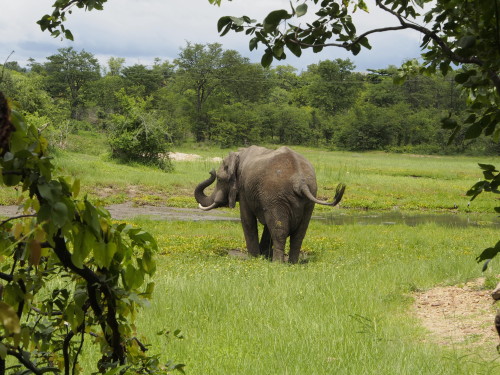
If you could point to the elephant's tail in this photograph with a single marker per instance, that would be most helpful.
(339, 193)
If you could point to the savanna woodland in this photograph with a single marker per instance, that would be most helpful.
(76, 285)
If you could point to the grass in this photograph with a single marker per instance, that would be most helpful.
(346, 311)
(375, 180)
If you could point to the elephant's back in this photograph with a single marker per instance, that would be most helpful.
(281, 170)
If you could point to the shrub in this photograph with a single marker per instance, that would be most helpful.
(138, 134)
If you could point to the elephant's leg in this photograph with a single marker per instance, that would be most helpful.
(298, 235)
(266, 244)
(279, 241)
(249, 224)
(295, 245)
(279, 230)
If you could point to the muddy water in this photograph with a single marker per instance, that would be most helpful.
(336, 217)
(410, 219)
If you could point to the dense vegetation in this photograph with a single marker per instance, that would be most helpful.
(215, 95)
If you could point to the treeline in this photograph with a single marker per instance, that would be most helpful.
(208, 94)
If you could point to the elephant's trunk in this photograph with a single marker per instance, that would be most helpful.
(201, 198)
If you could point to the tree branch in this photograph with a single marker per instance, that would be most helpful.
(15, 218)
(94, 287)
(30, 365)
(6, 277)
(345, 44)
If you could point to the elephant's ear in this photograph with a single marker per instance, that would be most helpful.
(233, 162)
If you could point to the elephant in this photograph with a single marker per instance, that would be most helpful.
(276, 187)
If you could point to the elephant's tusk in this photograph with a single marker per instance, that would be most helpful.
(213, 205)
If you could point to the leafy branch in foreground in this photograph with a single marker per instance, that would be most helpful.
(490, 184)
(68, 273)
(460, 33)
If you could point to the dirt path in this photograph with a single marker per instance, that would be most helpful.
(458, 315)
(124, 211)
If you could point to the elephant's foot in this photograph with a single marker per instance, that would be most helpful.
(294, 257)
(278, 255)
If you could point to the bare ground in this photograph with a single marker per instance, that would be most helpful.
(458, 315)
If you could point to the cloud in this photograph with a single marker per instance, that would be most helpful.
(142, 30)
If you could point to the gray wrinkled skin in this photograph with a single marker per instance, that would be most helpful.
(276, 187)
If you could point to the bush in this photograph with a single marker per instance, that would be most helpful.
(138, 134)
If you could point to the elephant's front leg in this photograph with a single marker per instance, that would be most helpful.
(249, 224)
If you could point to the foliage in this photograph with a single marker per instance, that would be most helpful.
(332, 86)
(138, 134)
(68, 72)
(490, 184)
(460, 33)
(68, 273)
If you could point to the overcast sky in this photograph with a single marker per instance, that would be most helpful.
(140, 30)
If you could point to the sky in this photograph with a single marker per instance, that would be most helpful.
(141, 30)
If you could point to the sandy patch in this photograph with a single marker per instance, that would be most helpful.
(458, 314)
(180, 156)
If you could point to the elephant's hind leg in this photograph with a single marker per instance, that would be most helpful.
(266, 244)
(297, 237)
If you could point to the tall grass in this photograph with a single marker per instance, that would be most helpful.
(348, 310)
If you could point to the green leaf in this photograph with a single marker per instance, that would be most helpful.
(274, 18)
(461, 78)
(101, 255)
(364, 42)
(82, 245)
(75, 189)
(3, 351)
(59, 214)
(132, 277)
(68, 35)
(487, 167)
(267, 59)
(278, 51)
(91, 218)
(301, 10)
(253, 43)
(9, 318)
(473, 131)
(489, 254)
(294, 48)
(467, 41)
(448, 123)
(223, 22)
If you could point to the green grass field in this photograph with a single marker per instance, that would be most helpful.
(375, 180)
(346, 309)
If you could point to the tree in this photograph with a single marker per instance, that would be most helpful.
(332, 85)
(107, 267)
(201, 68)
(460, 33)
(68, 72)
(139, 75)
(138, 133)
(115, 65)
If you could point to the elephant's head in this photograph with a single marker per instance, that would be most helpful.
(225, 193)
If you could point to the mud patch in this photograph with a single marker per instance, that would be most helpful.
(458, 315)
(127, 210)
